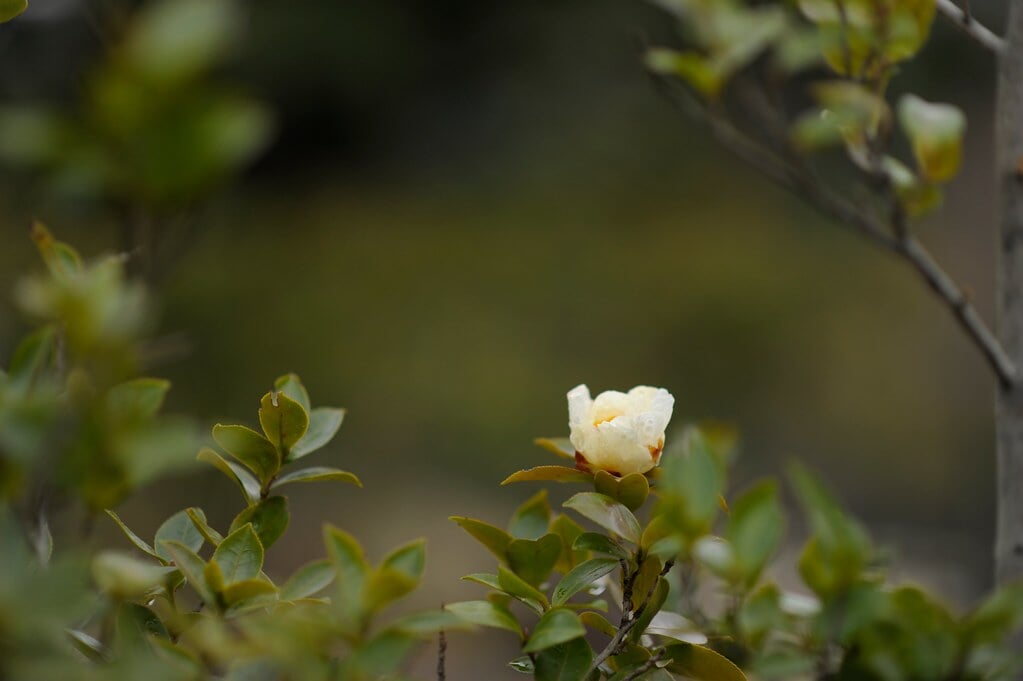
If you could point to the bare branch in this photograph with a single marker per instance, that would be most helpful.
(886, 233)
(971, 27)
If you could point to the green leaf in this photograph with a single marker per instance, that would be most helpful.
(569, 530)
(493, 538)
(594, 541)
(324, 423)
(89, 647)
(559, 446)
(62, 260)
(582, 577)
(936, 134)
(191, 566)
(385, 586)
(139, 543)
(516, 586)
(675, 626)
(531, 519)
(198, 518)
(701, 664)
(291, 385)
(598, 622)
(631, 491)
(523, 665)
(718, 556)
(485, 614)
(33, 355)
(317, 474)
(235, 473)
(269, 518)
(486, 579)
(429, 623)
(607, 513)
(378, 658)
(548, 474)
(308, 580)
(555, 627)
(409, 559)
(123, 577)
(755, 529)
(566, 662)
(533, 560)
(246, 590)
(352, 572)
(250, 448)
(240, 555)
(692, 479)
(177, 528)
(138, 399)
(284, 421)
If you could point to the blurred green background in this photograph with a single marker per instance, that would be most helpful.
(466, 209)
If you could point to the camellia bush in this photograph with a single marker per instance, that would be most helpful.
(656, 568)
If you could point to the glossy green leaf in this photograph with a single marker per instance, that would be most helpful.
(317, 474)
(385, 586)
(532, 518)
(582, 577)
(598, 622)
(559, 446)
(291, 385)
(516, 586)
(548, 474)
(139, 543)
(486, 579)
(246, 590)
(191, 566)
(308, 580)
(533, 560)
(557, 626)
(755, 529)
(269, 518)
(409, 559)
(568, 661)
(198, 519)
(607, 513)
(240, 555)
(250, 448)
(691, 482)
(351, 570)
(493, 538)
(486, 614)
(324, 423)
(675, 626)
(701, 664)
(177, 528)
(88, 646)
(569, 530)
(631, 491)
(594, 541)
(240, 476)
(523, 665)
(284, 421)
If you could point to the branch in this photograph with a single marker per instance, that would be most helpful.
(629, 619)
(971, 27)
(646, 666)
(891, 237)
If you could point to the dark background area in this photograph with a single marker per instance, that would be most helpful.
(469, 208)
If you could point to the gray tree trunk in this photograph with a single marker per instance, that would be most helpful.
(1009, 409)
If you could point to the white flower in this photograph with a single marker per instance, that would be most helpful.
(620, 433)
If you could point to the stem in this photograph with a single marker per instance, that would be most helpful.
(629, 618)
(966, 22)
(1009, 287)
(888, 234)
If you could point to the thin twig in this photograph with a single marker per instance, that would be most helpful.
(865, 222)
(442, 649)
(629, 620)
(971, 27)
(646, 666)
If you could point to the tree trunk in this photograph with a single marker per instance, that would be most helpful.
(1009, 409)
